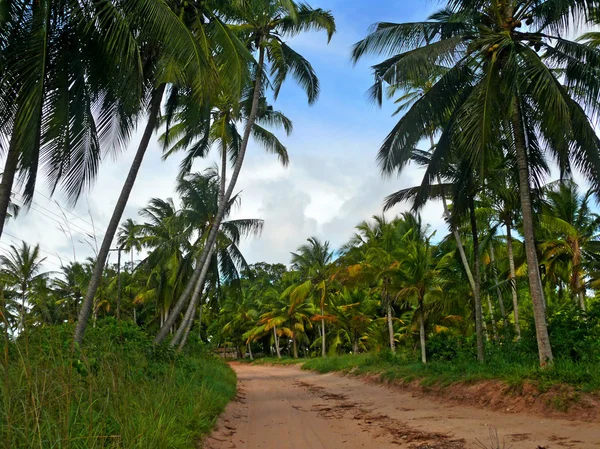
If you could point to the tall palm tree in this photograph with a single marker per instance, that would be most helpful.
(20, 269)
(213, 47)
(498, 86)
(264, 24)
(200, 195)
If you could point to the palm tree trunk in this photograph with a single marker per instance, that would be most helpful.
(422, 331)
(8, 179)
(492, 319)
(477, 293)
(191, 310)
(88, 302)
(276, 342)
(200, 273)
(323, 343)
(186, 334)
(459, 245)
(134, 315)
(294, 345)
(498, 291)
(355, 347)
(390, 326)
(193, 303)
(513, 279)
(577, 275)
(535, 282)
(250, 352)
(490, 309)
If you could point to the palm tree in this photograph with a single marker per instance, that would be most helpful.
(354, 311)
(568, 231)
(263, 24)
(213, 46)
(200, 195)
(128, 238)
(311, 261)
(298, 310)
(495, 82)
(21, 268)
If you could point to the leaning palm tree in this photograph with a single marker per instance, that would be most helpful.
(501, 86)
(263, 24)
(200, 195)
(20, 269)
(212, 47)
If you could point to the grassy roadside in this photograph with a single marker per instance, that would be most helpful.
(276, 361)
(583, 377)
(117, 392)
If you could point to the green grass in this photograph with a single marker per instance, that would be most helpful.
(118, 392)
(276, 361)
(584, 377)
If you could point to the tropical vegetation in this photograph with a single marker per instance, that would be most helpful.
(495, 106)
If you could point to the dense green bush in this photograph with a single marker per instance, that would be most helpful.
(117, 391)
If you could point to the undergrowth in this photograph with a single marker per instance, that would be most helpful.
(115, 392)
(582, 376)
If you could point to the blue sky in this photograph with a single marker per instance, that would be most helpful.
(332, 182)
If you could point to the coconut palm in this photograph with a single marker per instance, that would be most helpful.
(263, 24)
(501, 84)
(20, 269)
(128, 238)
(569, 229)
(311, 261)
(213, 47)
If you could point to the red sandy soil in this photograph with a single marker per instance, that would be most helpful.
(287, 408)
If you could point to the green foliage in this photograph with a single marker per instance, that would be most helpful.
(116, 392)
(513, 371)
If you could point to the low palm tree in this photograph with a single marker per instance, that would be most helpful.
(20, 269)
(569, 230)
(312, 262)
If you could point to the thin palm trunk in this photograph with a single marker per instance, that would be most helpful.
(323, 343)
(191, 310)
(8, 179)
(250, 351)
(193, 303)
(294, 345)
(422, 331)
(355, 347)
(477, 293)
(276, 342)
(459, 245)
(200, 272)
(535, 282)
(492, 319)
(513, 279)
(498, 291)
(186, 334)
(390, 326)
(577, 276)
(111, 230)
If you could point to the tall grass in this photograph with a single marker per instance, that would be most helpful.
(116, 392)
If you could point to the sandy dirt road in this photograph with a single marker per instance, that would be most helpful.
(287, 408)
